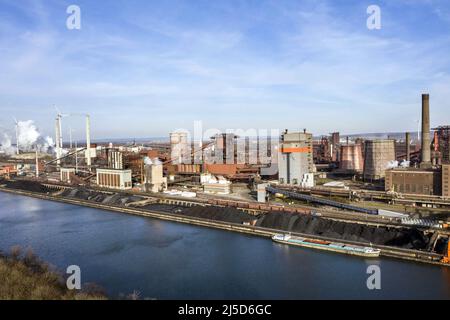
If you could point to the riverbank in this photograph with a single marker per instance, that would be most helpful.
(26, 277)
(269, 225)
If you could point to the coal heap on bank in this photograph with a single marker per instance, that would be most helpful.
(227, 214)
(100, 197)
(410, 238)
(32, 186)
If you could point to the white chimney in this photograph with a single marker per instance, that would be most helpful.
(58, 140)
(88, 142)
(37, 163)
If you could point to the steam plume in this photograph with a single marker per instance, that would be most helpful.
(29, 138)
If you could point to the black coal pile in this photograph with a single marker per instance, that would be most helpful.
(169, 208)
(400, 237)
(100, 197)
(32, 186)
(227, 214)
(82, 194)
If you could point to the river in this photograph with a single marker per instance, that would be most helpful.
(168, 260)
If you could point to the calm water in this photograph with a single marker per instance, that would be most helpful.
(166, 260)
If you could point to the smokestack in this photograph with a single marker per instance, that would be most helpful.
(37, 163)
(76, 157)
(408, 146)
(60, 135)
(88, 142)
(426, 152)
(17, 137)
(70, 138)
(58, 140)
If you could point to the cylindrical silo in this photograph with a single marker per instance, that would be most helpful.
(351, 158)
(378, 155)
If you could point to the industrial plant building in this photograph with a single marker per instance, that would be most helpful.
(433, 173)
(114, 178)
(414, 181)
(115, 159)
(215, 184)
(154, 180)
(327, 149)
(434, 181)
(446, 181)
(296, 159)
(441, 145)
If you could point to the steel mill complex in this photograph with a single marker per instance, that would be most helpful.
(361, 184)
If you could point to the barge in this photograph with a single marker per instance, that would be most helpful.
(355, 250)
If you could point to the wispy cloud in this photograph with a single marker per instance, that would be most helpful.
(230, 63)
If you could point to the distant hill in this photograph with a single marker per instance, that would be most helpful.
(379, 135)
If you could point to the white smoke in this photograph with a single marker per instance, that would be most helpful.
(6, 145)
(29, 139)
(147, 161)
(392, 164)
(27, 135)
(49, 141)
(155, 161)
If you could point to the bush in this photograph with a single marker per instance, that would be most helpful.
(26, 277)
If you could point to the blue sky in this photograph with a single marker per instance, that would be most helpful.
(145, 68)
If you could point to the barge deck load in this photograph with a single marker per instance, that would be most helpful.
(327, 245)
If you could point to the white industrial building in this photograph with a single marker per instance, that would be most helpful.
(154, 181)
(115, 159)
(114, 178)
(215, 184)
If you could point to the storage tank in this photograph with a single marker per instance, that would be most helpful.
(351, 158)
(378, 155)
